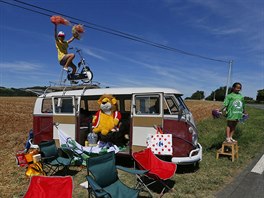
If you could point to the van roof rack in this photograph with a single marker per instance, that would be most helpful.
(65, 88)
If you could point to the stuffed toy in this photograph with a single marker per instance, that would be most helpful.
(107, 118)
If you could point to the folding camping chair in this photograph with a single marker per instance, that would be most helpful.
(103, 178)
(49, 187)
(52, 157)
(159, 170)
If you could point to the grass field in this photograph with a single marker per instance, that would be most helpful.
(212, 174)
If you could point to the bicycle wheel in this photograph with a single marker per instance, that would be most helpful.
(87, 72)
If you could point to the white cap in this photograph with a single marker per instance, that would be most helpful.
(61, 34)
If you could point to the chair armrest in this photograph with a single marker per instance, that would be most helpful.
(132, 171)
(99, 191)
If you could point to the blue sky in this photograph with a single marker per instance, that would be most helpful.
(218, 29)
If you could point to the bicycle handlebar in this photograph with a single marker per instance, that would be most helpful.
(77, 50)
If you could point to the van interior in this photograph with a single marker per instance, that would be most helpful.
(84, 110)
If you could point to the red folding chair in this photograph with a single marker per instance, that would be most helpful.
(158, 170)
(50, 187)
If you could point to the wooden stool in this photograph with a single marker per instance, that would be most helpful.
(230, 149)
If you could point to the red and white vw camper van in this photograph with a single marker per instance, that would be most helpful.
(72, 110)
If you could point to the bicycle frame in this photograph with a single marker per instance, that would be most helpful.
(82, 61)
(83, 72)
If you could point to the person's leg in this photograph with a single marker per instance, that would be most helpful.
(228, 129)
(69, 63)
(232, 130)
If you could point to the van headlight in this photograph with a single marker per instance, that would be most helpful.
(191, 130)
(195, 139)
(194, 135)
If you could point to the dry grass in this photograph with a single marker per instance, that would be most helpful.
(202, 109)
(15, 123)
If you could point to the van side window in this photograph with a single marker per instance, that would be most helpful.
(46, 106)
(63, 105)
(170, 106)
(148, 104)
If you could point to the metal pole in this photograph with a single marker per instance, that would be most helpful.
(214, 96)
(228, 77)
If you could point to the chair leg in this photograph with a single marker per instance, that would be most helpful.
(66, 170)
(49, 169)
(165, 186)
(45, 167)
(141, 185)
(91, 193)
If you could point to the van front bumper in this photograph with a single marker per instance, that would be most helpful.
(191, 159)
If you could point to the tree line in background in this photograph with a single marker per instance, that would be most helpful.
(15, 92)
(219, 95)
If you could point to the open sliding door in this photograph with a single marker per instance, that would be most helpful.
(146, 112)
(65, 115)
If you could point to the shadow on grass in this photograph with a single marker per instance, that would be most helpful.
(190, 168)
(67, 171)
(158, 186)
(125, 161)
(215, 146)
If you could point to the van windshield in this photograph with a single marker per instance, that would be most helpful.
(172, 104)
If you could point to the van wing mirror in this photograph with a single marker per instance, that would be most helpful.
(181, 112)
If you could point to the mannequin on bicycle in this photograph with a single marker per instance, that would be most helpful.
(64, 58)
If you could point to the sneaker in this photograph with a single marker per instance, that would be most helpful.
(232, 140)
(65, 68)
(228, 140)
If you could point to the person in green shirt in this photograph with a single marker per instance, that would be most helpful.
(234, 105)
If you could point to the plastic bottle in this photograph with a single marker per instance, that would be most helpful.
(92, 139)
(86, 143)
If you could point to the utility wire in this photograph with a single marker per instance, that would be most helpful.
(109, 30)
(125, 35)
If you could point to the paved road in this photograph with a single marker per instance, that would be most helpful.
(258, 106)
(249, 183)
(246, 185)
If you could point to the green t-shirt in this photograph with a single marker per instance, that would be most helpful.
(234, 104)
